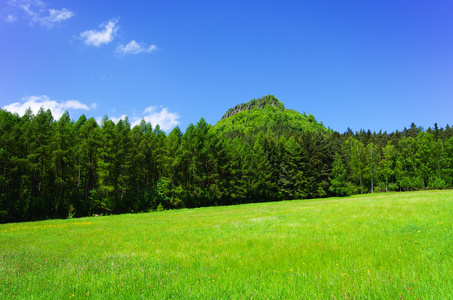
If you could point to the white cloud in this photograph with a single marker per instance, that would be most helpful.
(166, 120)
(150, 109)
(116, 120)
(152, 114)
(36, 102)
(36, 12)
(74, 104)
(135, 48)
(99, 37)
(58, 15)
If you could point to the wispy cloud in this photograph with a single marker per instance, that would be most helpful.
(58, 15)
(36, 12)
(57, 108)
(11, 18)
(103, 36)
(135, 48)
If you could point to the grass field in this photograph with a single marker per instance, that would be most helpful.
(385, 246)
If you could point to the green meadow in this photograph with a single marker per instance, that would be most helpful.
(386, 246)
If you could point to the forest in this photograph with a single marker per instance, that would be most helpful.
(66, 168)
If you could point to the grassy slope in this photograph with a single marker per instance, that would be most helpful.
(381, 245)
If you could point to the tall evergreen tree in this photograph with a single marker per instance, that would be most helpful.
(356, 157)
(387, 163)
(172, 166)
(38, 138)
(338, 180)
(87, 164)
(122, 165)
(106, 179)
(61, 163)
(423, 156)
(296, 168)
(260, 170)
(372, 163)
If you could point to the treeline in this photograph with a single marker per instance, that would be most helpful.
(56, 169)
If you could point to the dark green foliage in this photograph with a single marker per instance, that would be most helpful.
(338, 180)
(258, 152)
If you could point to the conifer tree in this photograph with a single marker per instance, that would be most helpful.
(387, 163)
(106, 158)
(172, 166)
(38, 137)
(448, 170)
(338, 180)
(372, 163)
(260, 169)
(87, 151)
(122, 165)
(137, 163)
(423, 157)
(355, 150)
(61, 162)
(296, 167)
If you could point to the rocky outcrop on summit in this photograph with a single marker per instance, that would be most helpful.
(255, 103)
(265, 114)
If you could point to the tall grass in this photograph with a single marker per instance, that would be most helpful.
(373, 246)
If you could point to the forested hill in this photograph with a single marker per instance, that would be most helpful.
(259, 152)
(266, 113)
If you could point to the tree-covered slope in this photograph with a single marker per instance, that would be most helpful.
(57, 169)
(263, 114)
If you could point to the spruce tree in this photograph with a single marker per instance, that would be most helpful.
(338, 180)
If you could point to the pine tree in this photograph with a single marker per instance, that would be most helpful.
(172, 166)
(238, 181)
(355, 150)
(62, 161)
(372, 163)
(338, 180)
(122, 164)
(106, 180)
(137, 163)
(38, 139)
(87, 163)
(448, 170)
(296, 168)
(387, 163)
(424, 142)
(12, 167)
(260, 172)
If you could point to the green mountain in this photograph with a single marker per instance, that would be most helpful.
(266, 113)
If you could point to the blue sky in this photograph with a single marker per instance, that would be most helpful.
(359, 64)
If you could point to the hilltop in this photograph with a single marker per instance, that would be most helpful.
(266, 113)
